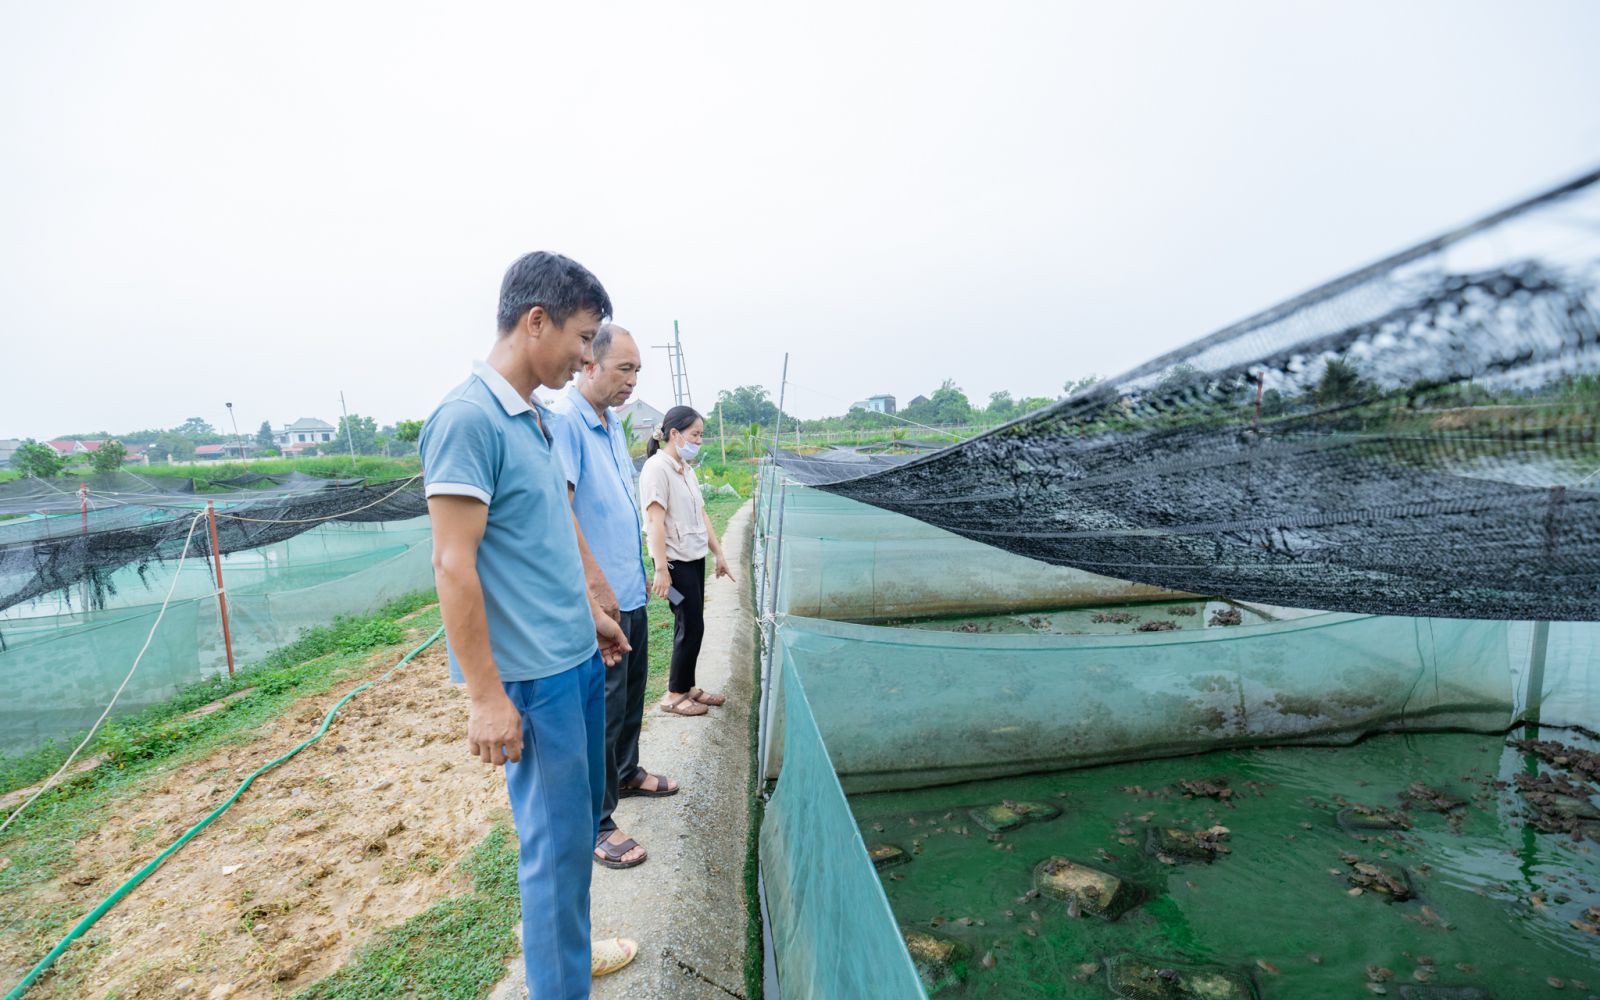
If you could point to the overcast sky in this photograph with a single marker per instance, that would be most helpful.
(268, 203)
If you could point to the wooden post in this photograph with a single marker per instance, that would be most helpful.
(722, 440)
(83, 506)
(222, 593)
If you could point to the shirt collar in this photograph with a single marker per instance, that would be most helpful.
(507, 396)
(581, 403)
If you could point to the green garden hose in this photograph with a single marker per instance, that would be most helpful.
(194, 831)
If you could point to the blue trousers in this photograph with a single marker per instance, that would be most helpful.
(556, 792)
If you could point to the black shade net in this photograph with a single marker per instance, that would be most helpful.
(43, 555)
(1418, 438)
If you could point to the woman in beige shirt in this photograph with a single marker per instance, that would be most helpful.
(679, 533)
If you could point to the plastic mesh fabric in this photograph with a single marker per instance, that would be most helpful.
(833, 931)
(846, 560)
(32, 495)
(43, 555)
(60, 668)
(900, 708)
(1421, 437)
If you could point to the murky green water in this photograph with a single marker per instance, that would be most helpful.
(1167, 616)
(1497, 905)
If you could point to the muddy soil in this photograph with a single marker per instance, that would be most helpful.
(359, 832)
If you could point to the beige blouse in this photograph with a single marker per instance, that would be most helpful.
(676, 489)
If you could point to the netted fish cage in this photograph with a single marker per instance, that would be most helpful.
(1181, 689)
(90, 581)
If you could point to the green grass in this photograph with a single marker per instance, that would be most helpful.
(329, 467)
(754, 944)
(40, 844)
(454, 950)
(659, 613)
(375, 467)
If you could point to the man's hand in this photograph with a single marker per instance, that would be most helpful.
(494, 730)
(613, 642)
(605, 601)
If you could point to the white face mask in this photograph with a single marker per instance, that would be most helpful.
(688, 450)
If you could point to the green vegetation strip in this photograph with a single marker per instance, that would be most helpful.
(122, 891)
(454, 950)
(754, 942)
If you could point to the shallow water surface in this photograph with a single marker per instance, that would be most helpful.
(1118, 619)
(1497, 905)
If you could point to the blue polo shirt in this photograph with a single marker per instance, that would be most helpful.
(485, 442)
(605, 497)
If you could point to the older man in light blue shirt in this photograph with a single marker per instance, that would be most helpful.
(593, 450)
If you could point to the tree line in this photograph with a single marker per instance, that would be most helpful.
(178, 444)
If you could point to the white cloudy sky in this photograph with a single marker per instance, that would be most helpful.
(268, 203)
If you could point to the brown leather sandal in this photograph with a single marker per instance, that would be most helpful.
(614, 853)
(664, 786)
(707, 698)
(685, 705)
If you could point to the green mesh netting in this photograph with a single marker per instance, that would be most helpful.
(60, 663)
(832, 928)
(876, 707)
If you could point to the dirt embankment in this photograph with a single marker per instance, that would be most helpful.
(358, 832)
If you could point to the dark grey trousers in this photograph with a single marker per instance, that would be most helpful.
(625, 712)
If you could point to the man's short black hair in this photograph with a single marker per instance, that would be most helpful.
(560, 285)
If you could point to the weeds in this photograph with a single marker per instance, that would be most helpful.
(454, 950)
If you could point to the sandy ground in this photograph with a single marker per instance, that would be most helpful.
(685, 905)
(358, 832)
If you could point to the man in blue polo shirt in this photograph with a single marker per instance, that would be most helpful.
(593, 450)
(520, 630)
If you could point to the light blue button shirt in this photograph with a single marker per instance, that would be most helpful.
(605, 496)
(485, 442)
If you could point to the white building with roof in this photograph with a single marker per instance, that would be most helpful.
(307, 432)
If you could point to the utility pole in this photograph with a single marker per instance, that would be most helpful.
(679, 370)
(783, 384)
(237, 441)
(348, 435)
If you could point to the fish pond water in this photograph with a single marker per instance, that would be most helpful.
(1118, 619)
(1431, 867)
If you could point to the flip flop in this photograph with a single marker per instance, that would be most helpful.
(615, 852)
(661, 790)
(684, 706)
(707, 698)
(606, 957)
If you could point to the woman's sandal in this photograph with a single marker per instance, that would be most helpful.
(610, 955)
(664, 786)
(614, 853)
(707, 698)
(685, 705)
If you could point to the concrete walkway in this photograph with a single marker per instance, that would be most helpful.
(685, 905)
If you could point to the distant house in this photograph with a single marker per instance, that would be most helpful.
(918, 401)
(307, 432)
(68, 447)
(646, 418)
(883, 403)
(213, 452)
